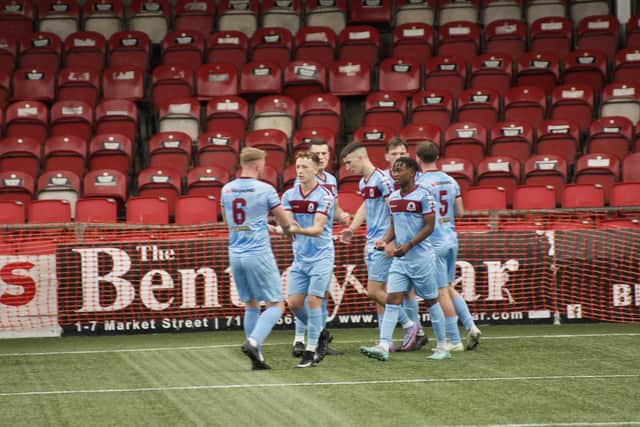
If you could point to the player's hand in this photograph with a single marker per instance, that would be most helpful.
(390, 249)
(402, 250)
(345, 218)
(275, 229)
(294, 228)
(346, 236)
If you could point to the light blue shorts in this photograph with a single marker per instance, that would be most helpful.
(256, 277)
(310, 278)
(446, 252)
(378, 265)
(421, 276)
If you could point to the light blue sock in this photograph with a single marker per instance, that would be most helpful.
(437, 322)
(411, 308)
(315, 327)
(301, 325)
(265, 324)
(302, 316)
(389, 322)
(250, 318)
(451, 327)
(325, 312)
(462, 310)
(380, 320)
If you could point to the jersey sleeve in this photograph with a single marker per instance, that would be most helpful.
(273, 200)
(456, 188)
(286, 200)
(325, 204)
(385, 186)
(428, 203)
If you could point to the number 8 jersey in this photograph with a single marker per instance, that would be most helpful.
(246, 203)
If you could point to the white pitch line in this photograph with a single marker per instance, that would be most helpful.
(591, 423)
(315, 384)
(215, 346)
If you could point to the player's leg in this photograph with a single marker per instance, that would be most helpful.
(320, 276)
(451, 319)
(414, 337)
(460, 305)
(252, 310)
(299, 336)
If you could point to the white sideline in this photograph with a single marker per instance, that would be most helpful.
(314, 384)
(214, 346)
(576, 424)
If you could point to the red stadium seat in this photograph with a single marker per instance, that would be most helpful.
(547, 170)
(600, 32)
(625, 194)
(558, 137)
(283, 14)
(415, 134)
(16, 18)
(494, 10)
(275, 112)
(227, 113)
(271, 176)
(631, 168)
(461, 170)
(320, 111)
(169, 82)
(413, 40)
(359, 43)
(484, 198)
(579, 10)
(16, 186)
(123, 82)
(170, 150)
(480, 106)
(458, 38)
(302, 78)
(195, 210)
(164, 182)
(586, 67)
(465, 140)
(553, 34)
(106, 183)
(101, 210)
(8, 53)
(598, 168)
(349, 201)
(535, 10)
(228, 46)
(506, 36)
(12, 212)
(511, 138)
(491, 71)
(289, 177)
(573, 102)
(117, 116)
(414, 11)
(129, 48)
(238, 16)
(303, 137)
(274, 142)
(627, 66)
(20, 154)
(110, 151)
(500, 171)
(36, 84)
(583, 196)
(5, 87)
(40, 51)
(332, 14)
(103, 17)
(448, 72)
(432, 107)
(184, 47)
(49, 211)
(73, 118)
(264, 78)
(526, 104)
(220, 149)
(147, 210)
(316, 44)
(539, 69)
(27, 119)
(272, 45)
(621, 99)
(79, 83)
(612, 135)
(399, 75)
(61, 17)
(633, 32)
(349, 78)
(377, 12)
(65, 153)
(388, 109)
(195, 15)
(534, 197)
(180, 115)
(375, 138)
(453, 11)
(150, 16)
(85, 48)
(207, 181)
(60, 185)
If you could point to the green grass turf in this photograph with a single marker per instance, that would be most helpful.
(517, 375)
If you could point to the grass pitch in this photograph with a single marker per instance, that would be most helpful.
(569, 375)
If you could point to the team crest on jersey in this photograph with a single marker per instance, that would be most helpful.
(411, 207)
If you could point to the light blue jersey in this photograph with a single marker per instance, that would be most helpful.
(246, 203)
(304, 208)
(375, 191)
(408, 219)
(327, 180)
(445, 191)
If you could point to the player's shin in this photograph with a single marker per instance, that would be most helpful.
(265, 323)
(251, 315)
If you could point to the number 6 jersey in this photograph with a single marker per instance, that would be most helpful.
(246, 203)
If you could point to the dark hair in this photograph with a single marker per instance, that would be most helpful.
(408, 162)
(350, 148)
(308, 155)
(396, 142)
(428, 152)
